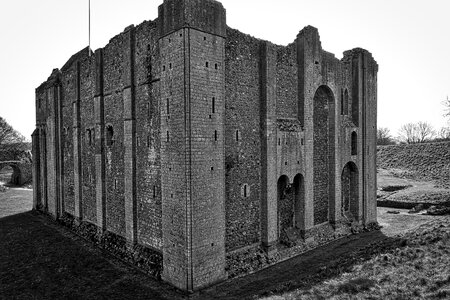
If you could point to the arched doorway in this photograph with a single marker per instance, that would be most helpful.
(299, 202)
(350, 192)
(324, 154)
(285, 204)
(10, 174)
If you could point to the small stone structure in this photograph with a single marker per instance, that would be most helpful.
(18, 157)
(214, 152)
(21, 171)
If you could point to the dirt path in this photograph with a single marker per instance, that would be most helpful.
(291, 273)
(297, 271)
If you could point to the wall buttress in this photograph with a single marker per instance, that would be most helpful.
(77, 147)
(100, 192)
(269, 218)
(129, 133)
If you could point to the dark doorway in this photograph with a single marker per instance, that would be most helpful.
(299, 202)
(350, 191)
(285, 204)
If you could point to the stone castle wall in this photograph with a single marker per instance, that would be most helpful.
(215, 152)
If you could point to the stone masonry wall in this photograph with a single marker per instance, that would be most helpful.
(148, 156)
(287, 82)
(174, 187)
(171, 140)
(242, 139)
(113, 110)
(68, 87)
(207, 110)
(87, 130)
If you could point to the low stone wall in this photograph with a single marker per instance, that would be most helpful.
(253, 258)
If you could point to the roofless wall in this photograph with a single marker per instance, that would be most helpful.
(192, 149)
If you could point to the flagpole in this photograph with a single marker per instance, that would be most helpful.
(89, 28)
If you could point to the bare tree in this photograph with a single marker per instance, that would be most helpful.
(444, 134)
(446, 104)
(419, 132)
(408, 133)
(425, 131)
(384, 136)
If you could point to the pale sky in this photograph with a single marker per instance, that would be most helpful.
(410, 40)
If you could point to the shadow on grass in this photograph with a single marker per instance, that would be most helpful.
(39, 260)
(307, 270)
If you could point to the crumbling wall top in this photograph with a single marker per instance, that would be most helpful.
(204, 15)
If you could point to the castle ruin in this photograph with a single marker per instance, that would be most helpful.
(214, 152)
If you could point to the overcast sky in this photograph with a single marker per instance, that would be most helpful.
(410, 40)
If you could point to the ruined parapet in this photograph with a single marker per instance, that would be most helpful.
(205, 146)
(364, 71)
(204, 15)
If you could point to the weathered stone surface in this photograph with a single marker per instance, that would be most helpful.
(207, 152)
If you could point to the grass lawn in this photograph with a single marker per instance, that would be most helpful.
(408, 259)
(38, 260)
(15, 200)
(419, 268)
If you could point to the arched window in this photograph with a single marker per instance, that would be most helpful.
(109, 135)
(324, 153)
(354, 143)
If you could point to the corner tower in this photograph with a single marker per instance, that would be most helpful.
(192, 62)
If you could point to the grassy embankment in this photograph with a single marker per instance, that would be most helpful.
(418, 173)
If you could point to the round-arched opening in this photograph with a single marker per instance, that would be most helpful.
(285, 204)
(10, 174)
(350, 192)
(324, 154)
(299, 202)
